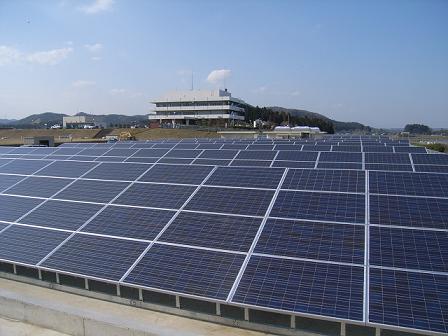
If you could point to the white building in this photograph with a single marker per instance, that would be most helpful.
(81, 121)
(216, 107)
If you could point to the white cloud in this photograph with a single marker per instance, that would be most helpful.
(96, 58)
(9, 55)
(82, 83)
(218, 76)
(97, 6)
(94, 48)
(50, 57)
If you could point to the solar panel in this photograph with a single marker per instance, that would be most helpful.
(409, 299)
(389, 158)
(175, 160)
(26, 167)
(151, 152)
(243, 177)
(121, 152)
(435, 159)
(303, 286)
(388, 167)
(110, 159)
(68, 151)
(256, 155)
(12, 208)
(409, 211)
(209, 273)
(61, 214)
(6, 181)
(182, 174)
(129, 222)
(117, 171)
(431, 168)
(346, 208)
(141, 159)
(211, 162)
(316, 148)
(339, 165)
(325, 180)
(410, 249)
(296, 156)
(377, 149)
(27, 244)
(102, 257)
(416, 184)
(293, 164)
(218, 154)
(340, 157)
(213, 231)
(405, 149)
(156, 195)
(250, 163)
(92, 191)
(346, 149)
(183, 153)
(39, 186)
(313, 240)
(231, 201)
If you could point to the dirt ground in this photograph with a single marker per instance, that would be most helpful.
(15, 136)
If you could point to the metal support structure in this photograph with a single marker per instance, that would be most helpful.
(140, 294)
(86, 283)
(118, 290)
(177, 301)
(343, 331)
(218, 309)
(246, 314)
(293, 322)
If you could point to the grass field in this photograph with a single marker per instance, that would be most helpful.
(15, 136)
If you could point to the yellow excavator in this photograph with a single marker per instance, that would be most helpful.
(126, 136)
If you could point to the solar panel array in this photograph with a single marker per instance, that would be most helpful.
(349, 228)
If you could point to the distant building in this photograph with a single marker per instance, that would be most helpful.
(216, 107)
(81, 121)
(39, 141)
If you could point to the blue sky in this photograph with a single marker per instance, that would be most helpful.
(382, 63)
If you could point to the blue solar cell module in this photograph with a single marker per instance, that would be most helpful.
(414, 184)
(164, 145)
(434, 159)
(293, 164)
(129, 222)
(218, 154)
(339, 165)
(231, 201)
(101, 257)
(303, 287)
(388, 167)
(409, 299)
(213, 231)
(186, 146)
(234, 146)
(121, 152)
(377, 149)
(409, 211)
(25, 167)
(6, 181)
(267, 147)
(68, 151)
(4, 150)
(67, 169)
(340, 157)
(39, 186)
(12, 208)
(143, 145)
(22, 150)
(288, 147)
(93, 151)
(141, 159)
(183, 153)
(175, 161)
(58, 157)
(346, 208)
(343, 148)
(313, 240)
(405, 149)
(4, 161)
(185, 270)
(250, 163)
(316, 148)
(92, 191)
(411, 249)
(209, 146)
(110, 159)
(81, 158)
(61, 215)
(156, 195)
(296, 156)
(325, 180)
(27, 244)
(182, 174)
(431, 169)
(243, 177)
(117, 171)
(256, 155)
(211, 162)
(151, 152)
(388, 158)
